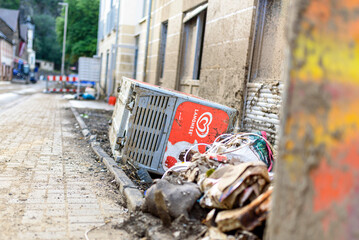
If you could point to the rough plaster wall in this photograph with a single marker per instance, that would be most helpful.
(265, 87)
(153, 44)
(163, 10)
(172, 11)
(316, 185)
(190, 4)
(172, 48)
(226, 51)
(141, 30)
(268, 54)
(125, 56)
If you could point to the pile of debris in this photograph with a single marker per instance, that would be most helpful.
(231, 182)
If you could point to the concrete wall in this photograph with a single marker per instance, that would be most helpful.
(317, 173)
(229, 27)
(105, 43)
(130, 15)
(124, 64)
(226, 51)
(226, 48)
(104, 48)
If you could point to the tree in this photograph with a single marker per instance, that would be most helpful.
(81, 29)
(43, 14)
(49, 7)
(45, 44)
(10, 4)
(35, 7)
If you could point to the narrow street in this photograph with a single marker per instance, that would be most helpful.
(51, 185)
(179, 120)
(13, 93)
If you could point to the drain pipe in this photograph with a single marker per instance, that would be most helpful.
(147, 39)
(114, 56)
(98, 28)
(98, 85)
(249, 70)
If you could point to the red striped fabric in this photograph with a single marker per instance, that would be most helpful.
(61, 78)
(60, 90)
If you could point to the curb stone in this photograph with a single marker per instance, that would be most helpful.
(81, 122)
(134, 197)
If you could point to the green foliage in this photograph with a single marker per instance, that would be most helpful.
(81, 29)
(43, 14)
(34, 7)
(10, 4)
(45, 43)
(49, 7)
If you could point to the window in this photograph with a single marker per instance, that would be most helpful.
(101, 70)
(162, 53)
(144, 7)
(194, 27)
(101, 30)
(106, 68)
(137, 39)
(111, 18)
(267, 58)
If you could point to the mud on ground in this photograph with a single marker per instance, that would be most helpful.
(98, 122)
(136, 225)
(147, 227)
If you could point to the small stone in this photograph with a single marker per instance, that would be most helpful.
(176, 234)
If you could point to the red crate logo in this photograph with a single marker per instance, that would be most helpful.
(193, 123)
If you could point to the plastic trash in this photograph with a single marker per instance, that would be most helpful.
(233, 186)
(248, 217)
(88, 96)
(144, 175)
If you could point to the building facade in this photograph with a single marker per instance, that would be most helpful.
(231, 52)
(9, 25)
(117, 27)
(6, 58)
(14, 43)
(45, 65)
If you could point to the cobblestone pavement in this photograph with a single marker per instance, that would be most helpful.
(51, 186)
